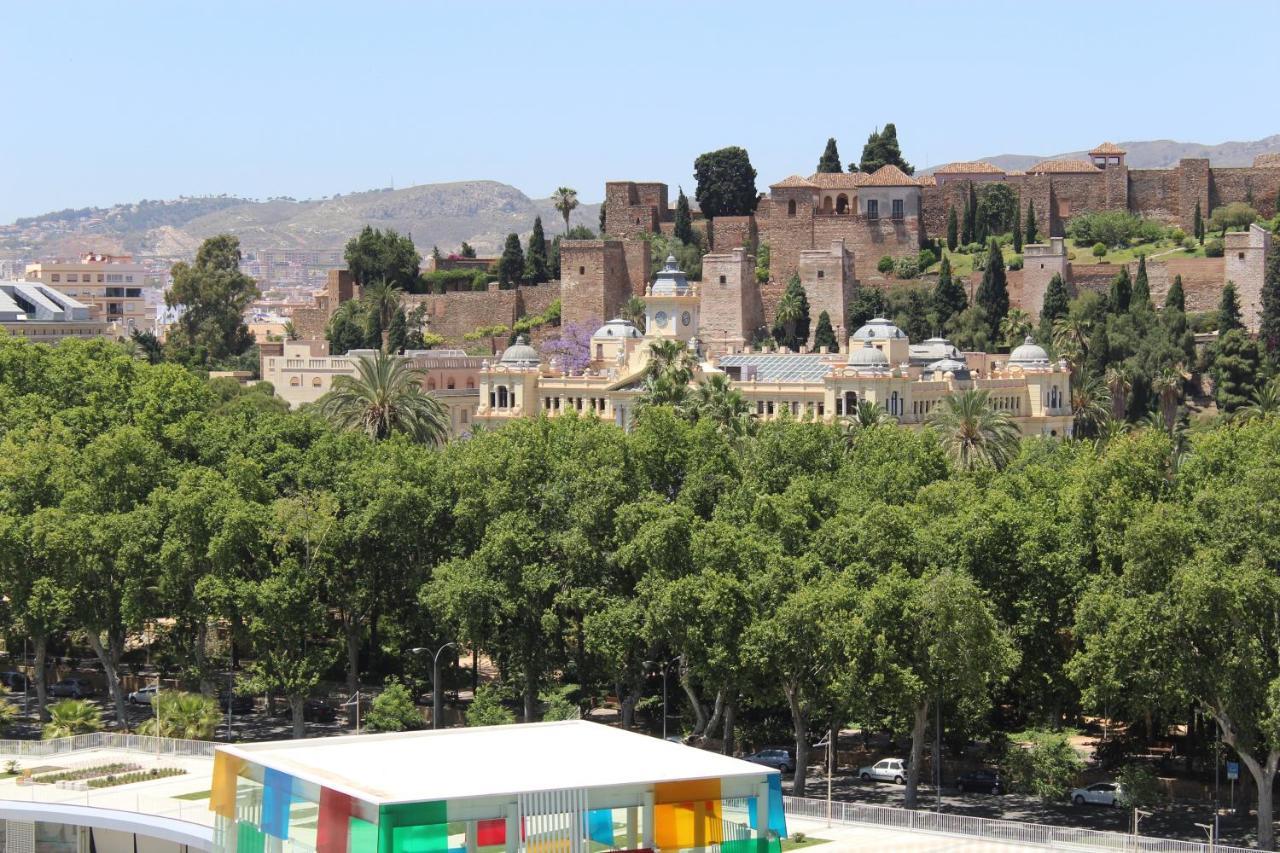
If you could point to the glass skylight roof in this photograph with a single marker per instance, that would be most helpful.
(780, 368)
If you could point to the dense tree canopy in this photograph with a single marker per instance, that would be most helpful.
(212, 294)
(726, 182)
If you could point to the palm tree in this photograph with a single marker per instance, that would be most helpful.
(290, 331)
(672, 359)
(867, 415)
(633, 311)
(788, 314)
(72, 717)
(1266, 402)
(1119, 381)
(1109, 428)
(1014, 327)
(718, 401)
(1168, 388)
(973, 432)
(383, 300)
(1071, 340)
(190, 716)
(1090, 404)
(566, 199)
(384, 397)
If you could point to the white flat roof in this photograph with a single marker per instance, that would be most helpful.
(451, 764)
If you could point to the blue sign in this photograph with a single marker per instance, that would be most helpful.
(1233, 769)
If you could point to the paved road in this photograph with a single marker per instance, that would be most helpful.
(1174, 821)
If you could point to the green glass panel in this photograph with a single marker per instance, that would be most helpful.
(430, 838)
(751, 845)
(413, 827)
(249, 838)
(362, 836)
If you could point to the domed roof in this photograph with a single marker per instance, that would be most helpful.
(670, 280)
(520, 354)
(1029, 354)
(878, 328)
(957, 369)
(617, 328)
(867, 357)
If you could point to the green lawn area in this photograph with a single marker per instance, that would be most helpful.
(194, 795)
(1165, 249)
(809, 841)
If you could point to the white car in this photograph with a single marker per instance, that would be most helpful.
(143, 695)
(1100, 794)
(885, 770)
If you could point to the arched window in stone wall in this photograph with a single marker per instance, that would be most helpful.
(791, 207)
(502, 396)
(842, 203)
(471, 383)
(315, 382)
(295, 381)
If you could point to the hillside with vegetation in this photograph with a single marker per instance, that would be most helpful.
(480, 213)
(1156, 154)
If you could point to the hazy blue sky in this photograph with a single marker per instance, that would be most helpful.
(118, 101)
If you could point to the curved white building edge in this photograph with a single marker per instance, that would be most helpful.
(26, 827)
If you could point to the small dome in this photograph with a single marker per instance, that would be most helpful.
(943, 366)
(520, 354)
(878, 328)
(867, 357)
(670, 280)
(617, 328)
(1030, 354)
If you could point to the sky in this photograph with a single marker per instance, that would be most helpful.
(114, 102)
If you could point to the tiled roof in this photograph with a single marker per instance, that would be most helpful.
(793, 181)
(927, 181)
(1061, 167)
(837, 180)
(1108, 148)
(972, 167)
(889, 175)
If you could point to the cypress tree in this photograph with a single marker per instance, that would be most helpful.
(949, 297)
(830, 159)
(1017, 229)
(511, 264)
(684, 220)
(1229, 310)
(373, 331)
(535, 260)
(1141, 298)
(1031, 222)
(953, 228)
(970, 212)
(1197, 224)
(397, 332)
(1269, 333)
(1121, 292)
(1175, 298)
(993, 294)
(1057, 303)
(824, 335)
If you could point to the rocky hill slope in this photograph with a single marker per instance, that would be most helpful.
(479, 212)
(1157, 154)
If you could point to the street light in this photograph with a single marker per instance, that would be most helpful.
(1138, 815)
(1209, 831)
(436, 696)
(831, 761)
(666, 665)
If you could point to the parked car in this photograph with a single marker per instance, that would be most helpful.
(885, 770)
(778, 759)
(236, 704)
(72, 687)
(980, 781)
(313, 711)
(1099, 794)
(16, 682)
(143, 695)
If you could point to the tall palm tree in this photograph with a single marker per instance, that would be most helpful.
(1071, 340)
(290, 331)
(384, 397)
(72, 717)
(633, 311)
(867, 415)
(1014, 327)
(566, 199)
(1090, 404)
(716, 400)
(972, 431)
(672, 359)
(788, 313)
(1119, 381)
(1109, 428)
(1266, 402)
(382, 299)
(190, 716)
(1168, 389)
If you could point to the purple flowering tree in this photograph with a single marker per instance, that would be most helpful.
(572, 346)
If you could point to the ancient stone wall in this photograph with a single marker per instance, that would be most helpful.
(731, 232)
(1193, 186)
(1077, 193)
(1041, 262)
(1259, 187)
(1115, 183)
(1245, 264)
(454, 314)
(730, 310)
(1153, 193)
(535, 299)
(593, 279)
(1202, 281)
(786, 235)
(868, 239)
(827, 276)
(638, 268)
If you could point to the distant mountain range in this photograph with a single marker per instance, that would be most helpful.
(480, 212)
(1152, 154)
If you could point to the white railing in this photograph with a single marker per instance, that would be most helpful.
(190, 811)
(1009, 831)
(108, 740)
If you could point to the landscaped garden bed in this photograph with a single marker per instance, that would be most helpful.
(82, 773)
(137, 776)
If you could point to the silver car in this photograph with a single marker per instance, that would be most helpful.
(885, 770)
(1099, 794)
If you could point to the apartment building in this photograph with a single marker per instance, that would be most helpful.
(112, 286)
(43, 315)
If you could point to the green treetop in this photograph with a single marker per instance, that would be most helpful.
(1175, 297)
(535, 260)
(830, 159)
(949, 298)
(1229, 309)
(1141, 297)
(684, 219)
(726, 183)
(882, 150)
(511, 264)
(993, 293)
(375, 255)
(824, 335)
(1031, 232)
(953, 229)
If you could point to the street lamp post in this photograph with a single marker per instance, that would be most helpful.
(436, 695)
(1211, 831)
(666, 665)
(1138, 815)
